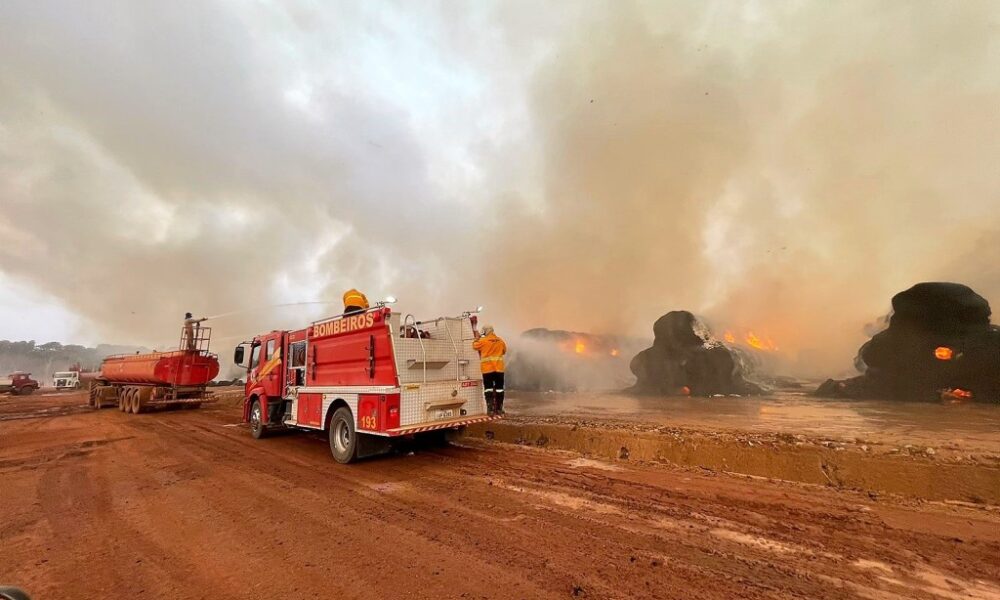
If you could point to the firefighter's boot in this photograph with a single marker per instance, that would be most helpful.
(498, 403)
(490, 403)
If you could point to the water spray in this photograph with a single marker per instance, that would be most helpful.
(282, 305)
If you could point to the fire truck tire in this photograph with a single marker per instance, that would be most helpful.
(343, 438)
(122, 398)
(257, 427)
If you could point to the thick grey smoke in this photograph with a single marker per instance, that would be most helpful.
(161, 158)
(783, 171)
(782, 168)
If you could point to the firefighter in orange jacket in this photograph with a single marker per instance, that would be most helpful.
(491, 350)
(354, 302)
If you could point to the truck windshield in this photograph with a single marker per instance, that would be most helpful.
(65, 374)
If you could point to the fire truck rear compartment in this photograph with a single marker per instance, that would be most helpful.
(438, 370)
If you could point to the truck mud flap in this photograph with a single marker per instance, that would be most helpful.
(373, 445)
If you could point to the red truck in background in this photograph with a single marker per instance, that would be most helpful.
(18, 383)
(365, 379)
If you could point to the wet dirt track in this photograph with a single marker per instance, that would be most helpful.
(184, 505)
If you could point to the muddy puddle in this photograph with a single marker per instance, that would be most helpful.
(975, 426)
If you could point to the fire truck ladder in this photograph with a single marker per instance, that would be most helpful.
(411, 321)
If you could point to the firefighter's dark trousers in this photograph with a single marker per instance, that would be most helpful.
(493, 388)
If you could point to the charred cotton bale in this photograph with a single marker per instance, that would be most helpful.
(939, 340)
(686, 358)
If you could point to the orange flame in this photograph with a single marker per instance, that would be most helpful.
(760, 343)
(580, 347)
(614, 352)
(956, 394)
(943, 353)
(729, 337)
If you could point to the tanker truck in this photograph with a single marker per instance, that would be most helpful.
(138, 383)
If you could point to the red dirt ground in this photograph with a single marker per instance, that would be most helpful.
(186, 504)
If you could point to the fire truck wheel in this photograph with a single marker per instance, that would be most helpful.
(343, 439)
(123, 397)
(257, 427)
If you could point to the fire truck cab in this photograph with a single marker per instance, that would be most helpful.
(365, 379)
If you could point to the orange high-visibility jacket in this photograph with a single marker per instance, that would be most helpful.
(353, 297)
(491, 350)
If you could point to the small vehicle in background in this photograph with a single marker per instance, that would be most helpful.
(18, 383)
(66, 380)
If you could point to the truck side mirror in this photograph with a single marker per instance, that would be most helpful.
(238, 355)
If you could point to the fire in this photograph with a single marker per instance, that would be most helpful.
(580, 347)
(943, 353)
(751, 339)
(614, 352)
(760, 343)
(956, 394)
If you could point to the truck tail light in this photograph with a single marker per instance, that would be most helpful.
(391, 411)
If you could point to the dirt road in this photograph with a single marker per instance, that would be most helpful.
(186, 504)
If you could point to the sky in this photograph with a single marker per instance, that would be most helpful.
(783, 168)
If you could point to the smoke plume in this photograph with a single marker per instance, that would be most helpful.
(588, 166)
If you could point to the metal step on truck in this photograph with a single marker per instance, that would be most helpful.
(365, 379)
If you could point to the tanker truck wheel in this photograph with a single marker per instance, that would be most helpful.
(139, 399)
(343, 438)
(257, 427)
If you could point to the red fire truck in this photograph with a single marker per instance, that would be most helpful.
(365, 379)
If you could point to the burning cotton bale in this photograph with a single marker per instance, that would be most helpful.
(939, 343)
(686, 359)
